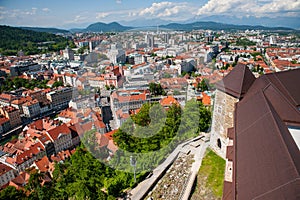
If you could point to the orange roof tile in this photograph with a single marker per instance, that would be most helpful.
(43, 164)
(205, 99)
(109, 135)
(20, 181)
(55, 132)
(168, 101)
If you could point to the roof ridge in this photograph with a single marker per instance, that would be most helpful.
(270, 84)
(275, 75)
(273, 111)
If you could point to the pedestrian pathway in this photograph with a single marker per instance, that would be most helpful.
(147, 185)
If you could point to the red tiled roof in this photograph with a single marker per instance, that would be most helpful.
(4, 169)
(43, 164)
(205, 99)
(55, 132)
(7, 97)
(168, 101)
(109, 135)
(20, 181)
(61, 156)
(30, 103)
(21, 100)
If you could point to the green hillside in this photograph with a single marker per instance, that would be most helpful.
(30, 42)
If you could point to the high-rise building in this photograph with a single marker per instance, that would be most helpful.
(68, 53)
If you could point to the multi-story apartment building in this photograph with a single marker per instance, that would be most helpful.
(32, 108)
(6, 174)
(96, 82)
(6, 99)
(61, 137)
(24, 158)
(4, 125)
(123, 101)
(60, 98)
(12, 114)
(22, 67)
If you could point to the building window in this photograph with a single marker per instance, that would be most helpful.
(219, 143)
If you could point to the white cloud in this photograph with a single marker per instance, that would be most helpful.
(168, 10)
(102, 15)
(46, 9)
(259, 8)
(80, 18)
(156, 7)
(31, 12)
(118, 1)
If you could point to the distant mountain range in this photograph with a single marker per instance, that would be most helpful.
(218, 26)
(117, 27)
(111, 27)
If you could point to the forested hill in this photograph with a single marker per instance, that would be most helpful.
(47, 30)
(30, 42)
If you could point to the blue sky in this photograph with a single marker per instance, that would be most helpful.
(79, 13)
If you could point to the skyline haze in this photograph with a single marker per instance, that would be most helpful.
(78, 14)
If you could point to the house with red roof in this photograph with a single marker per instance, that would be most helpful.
(23, 157)
(122, 101)
(20, 181)
(6, 174)
(61, 156)
(61, 137)
(12, 114)
(168, 101)
(31, 108)
(43, 165)
(17, 103)
(6, 99)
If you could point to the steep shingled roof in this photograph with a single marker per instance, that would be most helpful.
(237, 82)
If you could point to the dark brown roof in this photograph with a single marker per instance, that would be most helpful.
(230, 133)
(229, 153)
(287, 82)
(287, 112)
(237, 82)
(267, 158)
(228, 191)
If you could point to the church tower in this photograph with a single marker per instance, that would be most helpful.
(229, 91)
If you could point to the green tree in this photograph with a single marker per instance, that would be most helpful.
(202, 85)
(11, 193)
(57, 84)
(156, 89)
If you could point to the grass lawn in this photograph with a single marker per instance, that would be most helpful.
(209, 184)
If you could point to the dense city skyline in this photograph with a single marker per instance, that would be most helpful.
(71, 14)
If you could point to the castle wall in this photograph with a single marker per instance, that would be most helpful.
(223, 113)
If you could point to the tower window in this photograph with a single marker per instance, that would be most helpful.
(219, 143)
